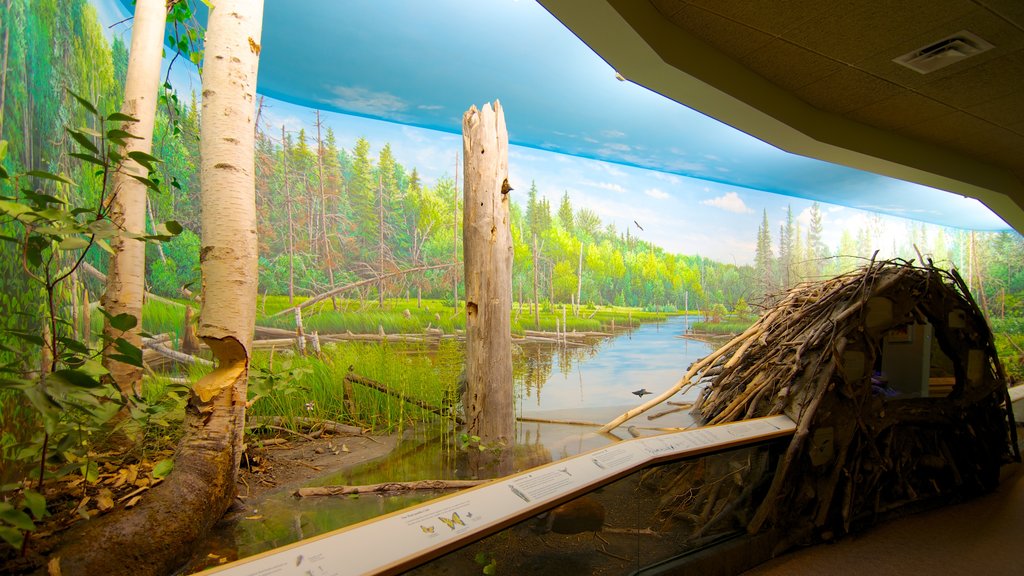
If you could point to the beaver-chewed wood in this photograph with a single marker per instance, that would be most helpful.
(862, 448)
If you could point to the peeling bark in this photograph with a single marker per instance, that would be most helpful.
(157, 535)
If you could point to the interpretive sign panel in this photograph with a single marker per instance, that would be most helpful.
(394, 541)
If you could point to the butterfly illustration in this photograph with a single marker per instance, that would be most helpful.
(450, 523)
(427, 529)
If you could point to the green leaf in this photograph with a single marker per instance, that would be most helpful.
(143, 158)
(12, 536)
(73, 243)
(163, 468)
(73, 345)
(104, 246)
(3, 150)
(123, 322)
(36, 503)
(149, 183)
(173, 227)
(42, 199)
(88, 158)
(127, 353)
(77, 378)
(103, 228)
(49, 176)
(14, 209)
(84, 141)
(91, 471)
(118, 134)
(119, 117)
(33, 339)
(15, 517)
(85, 103)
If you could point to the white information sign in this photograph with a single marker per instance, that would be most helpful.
(379, 545)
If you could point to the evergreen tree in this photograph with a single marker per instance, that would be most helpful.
(763, 257)
(565, 215)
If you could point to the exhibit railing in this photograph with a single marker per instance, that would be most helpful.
(539, 503)
(1017, 393)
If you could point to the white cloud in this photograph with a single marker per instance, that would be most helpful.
(670, 178)
(613, 134)
(611, 186)
(612, 147)
(430, 107)
(657, 193)
(364, 101)
(730, 202)
(612, 169)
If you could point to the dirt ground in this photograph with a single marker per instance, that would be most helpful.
(268, 466)
(269, 463)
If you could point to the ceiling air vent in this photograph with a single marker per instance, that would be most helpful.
(949, 50)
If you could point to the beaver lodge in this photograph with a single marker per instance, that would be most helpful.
(892, 376)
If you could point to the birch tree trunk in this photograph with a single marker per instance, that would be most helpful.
(157, 536)
(126, 276)
(487, 251)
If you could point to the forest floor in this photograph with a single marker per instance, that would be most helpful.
(266, 468)
(122, 484)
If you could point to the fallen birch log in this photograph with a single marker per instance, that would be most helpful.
(388, 487)
(91, 271)
(174, 354)
(335, 291)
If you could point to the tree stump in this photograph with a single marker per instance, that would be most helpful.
(487, 252)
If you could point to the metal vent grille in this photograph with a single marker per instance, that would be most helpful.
(945, 52)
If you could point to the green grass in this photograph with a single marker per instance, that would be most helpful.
(315, 388)
(724, 328)
(402, 316)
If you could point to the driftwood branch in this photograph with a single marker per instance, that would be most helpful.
(388, 487)
(335, 291)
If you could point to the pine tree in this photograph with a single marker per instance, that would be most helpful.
(763, 257)
(565, 214)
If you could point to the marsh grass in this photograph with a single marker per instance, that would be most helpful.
(418, 372)
(402, 316)
(722, 328)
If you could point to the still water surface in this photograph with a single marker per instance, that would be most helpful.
(591, 383)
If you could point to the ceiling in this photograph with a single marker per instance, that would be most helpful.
(832, 119)
(818, 79)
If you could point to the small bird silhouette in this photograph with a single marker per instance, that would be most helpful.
(638, 225)
(641, 392)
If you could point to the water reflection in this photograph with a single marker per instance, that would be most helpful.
(592, 384)
(652, 356)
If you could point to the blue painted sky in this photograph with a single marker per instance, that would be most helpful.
(694, 184)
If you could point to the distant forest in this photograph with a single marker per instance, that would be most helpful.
(333, 213)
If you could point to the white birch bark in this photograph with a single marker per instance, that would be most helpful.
(126, 276)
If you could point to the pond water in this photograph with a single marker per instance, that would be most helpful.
(592, 383)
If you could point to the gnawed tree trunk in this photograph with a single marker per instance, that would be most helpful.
(158, 534)
(126, 274)
(487, 251)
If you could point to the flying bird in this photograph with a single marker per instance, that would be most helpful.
(638, 225)
(641, 392)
